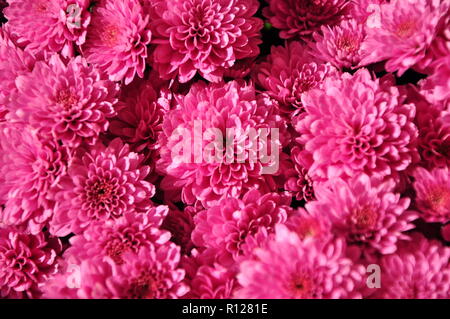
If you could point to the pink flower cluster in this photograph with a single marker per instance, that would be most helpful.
(323, 128)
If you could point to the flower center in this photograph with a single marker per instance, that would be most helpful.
(110, 35)
(302, 286)
(363, 218)
(145, 286)
(439, 199)
(308, 227)
(347, 44)
(406, 29)
(66, 99)
(101, 193)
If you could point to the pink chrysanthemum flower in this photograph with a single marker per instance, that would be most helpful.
(433, 194)
(357, 124)
(230, 228)
(298, 181)
(69, 102)
(439, 48)
(365, 212)
(419, 270)
(49, 26)
(288, 73)
(436, 87)
(152, 273)
(102, 184)
(339, 45)
(212, 282)
(404, 32)
(26, 261)
(290, 268)
(140, 113)
(13, 62)
(117, 39)
(300, 18)
(113, 238)
(203, 173)
(310, 224)
(30, 167)
(433, 121)
(203, 35)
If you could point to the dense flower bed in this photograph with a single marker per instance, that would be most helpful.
(224, 149)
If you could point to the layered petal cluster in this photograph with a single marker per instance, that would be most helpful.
(210, 145)
(433, 194)
(436, 87)
(299, 270)
(365, 212)
(13, 63)
(114, 238)
(213, 282)
(69, 102)
(26, 262)
(433, 122)
(117, 39)
(102, 184)
(203, 36)
(151, 273)
(298, 181)
(31, 166)
(299, 19)
(232, 228)
(341, 45)
(357, 124)
(289, 72)
(49, 26)
(419, 270)
(403, 33)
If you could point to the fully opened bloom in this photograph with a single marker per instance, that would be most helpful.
(194, 154)
(203, 36)
(357, 124)
(433, 194)
(26, 262)
(212, 282)
(404, 32)
(299, 269)
(419, 270)
(341, 45)
(365, 212)
(297, 179)
(13, 62)
(70, 102)
(300, 18)
(288, 73)
(230, 228)
(114, 238)
(151, 273)
(102, 184)
(30, 167)
(117, 39)
(49, 26)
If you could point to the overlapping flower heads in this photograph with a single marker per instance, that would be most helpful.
(224, 149)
